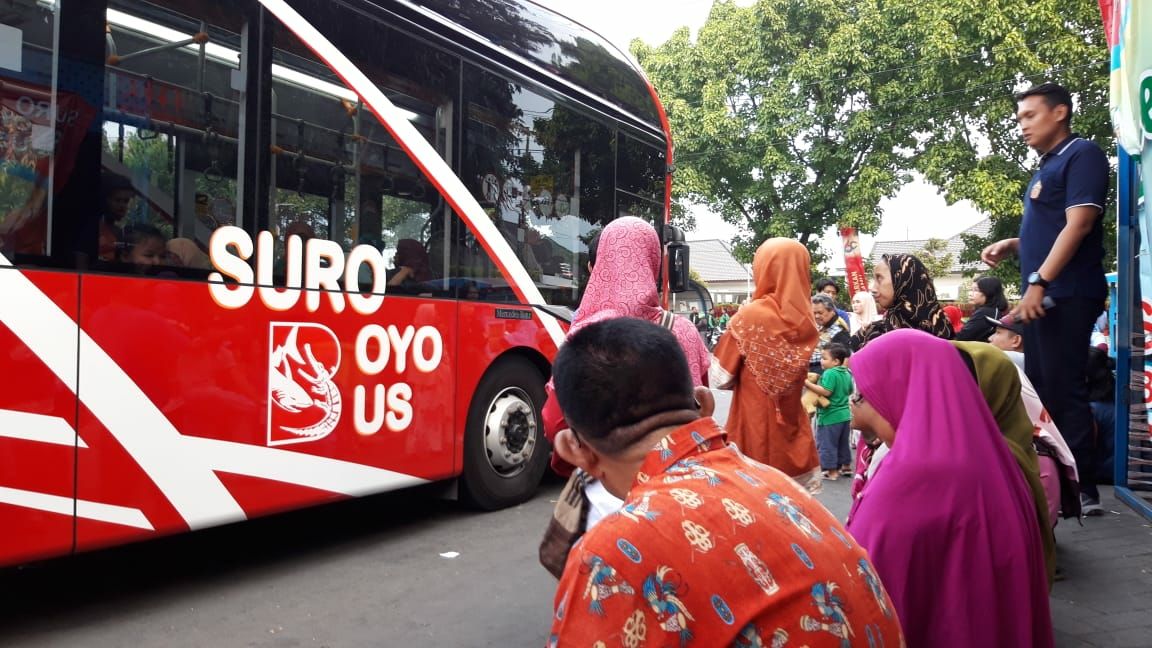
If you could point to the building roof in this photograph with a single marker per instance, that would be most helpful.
(712, 259)
(955, 246)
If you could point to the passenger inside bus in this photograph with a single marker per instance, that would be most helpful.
(301, 229)
(411, 267)
(144, 246)
(185, 253)
(117, 194)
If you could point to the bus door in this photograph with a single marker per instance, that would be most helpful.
(38, 334)
(158, 361)
(339, 177)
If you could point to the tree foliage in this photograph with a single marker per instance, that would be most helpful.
(791, 116)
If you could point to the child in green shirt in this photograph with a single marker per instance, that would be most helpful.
(834, 421)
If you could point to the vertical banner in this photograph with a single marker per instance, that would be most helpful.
(1125, 23)
(855, 276)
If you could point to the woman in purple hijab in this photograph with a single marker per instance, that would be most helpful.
(947, 519)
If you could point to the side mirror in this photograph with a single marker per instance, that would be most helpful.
(677, 266)
(677, 249)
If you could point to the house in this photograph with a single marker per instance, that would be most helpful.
(948, 287)
(729, 280)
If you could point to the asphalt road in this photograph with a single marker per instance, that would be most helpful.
(371, 572)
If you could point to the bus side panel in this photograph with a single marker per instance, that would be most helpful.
(227, 413)
(483, 338)
(37, 414)
(131, 376)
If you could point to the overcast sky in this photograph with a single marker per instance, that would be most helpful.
(917, 212)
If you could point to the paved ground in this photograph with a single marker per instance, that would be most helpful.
(1106, 597)
(378, 572)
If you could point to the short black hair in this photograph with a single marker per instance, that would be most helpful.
(593, 245)
(824, 282)
(838, 352)
(616, 373)
(137, 233)
(1054, 95)
(113, 182)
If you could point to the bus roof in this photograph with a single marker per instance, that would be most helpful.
(555, 44)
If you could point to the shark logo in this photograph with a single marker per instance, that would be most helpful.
(304, 403)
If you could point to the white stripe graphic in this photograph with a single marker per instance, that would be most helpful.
(117, 402)
(423, 154)
(85, 509)
(146, 434)
(291, 467)
(50, 336)
(38, 427)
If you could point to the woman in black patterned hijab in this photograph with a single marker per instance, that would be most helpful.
(902, 287)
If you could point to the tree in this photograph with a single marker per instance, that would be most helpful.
(767, 135)
(936, 257)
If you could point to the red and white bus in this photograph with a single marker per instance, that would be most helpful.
(262, 254)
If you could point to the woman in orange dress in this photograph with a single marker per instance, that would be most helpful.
(763, 359)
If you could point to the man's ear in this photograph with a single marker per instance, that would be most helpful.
(568, 446)
(706, 399)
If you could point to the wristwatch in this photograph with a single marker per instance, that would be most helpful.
(1035, 279)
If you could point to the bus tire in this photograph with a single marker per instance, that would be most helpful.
(505, 451)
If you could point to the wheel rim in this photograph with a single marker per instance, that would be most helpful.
(510, 432)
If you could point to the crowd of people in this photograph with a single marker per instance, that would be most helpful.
(975, 438)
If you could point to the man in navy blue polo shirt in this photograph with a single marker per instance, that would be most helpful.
(1061, 249)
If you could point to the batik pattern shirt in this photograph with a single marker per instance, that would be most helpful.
(714, 549)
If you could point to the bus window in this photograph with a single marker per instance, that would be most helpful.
(544, 172)
(171, 129)
(640, 173)
(337, 171)
(26, 129)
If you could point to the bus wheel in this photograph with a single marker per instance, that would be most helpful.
(505, 452)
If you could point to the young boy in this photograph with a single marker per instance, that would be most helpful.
(1008, 336)
(834, 421)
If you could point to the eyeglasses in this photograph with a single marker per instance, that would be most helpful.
(857, 398)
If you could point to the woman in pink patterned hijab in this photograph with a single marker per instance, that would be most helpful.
(623, 284)
(624, 281)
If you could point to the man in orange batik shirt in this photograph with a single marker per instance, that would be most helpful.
(710, 548)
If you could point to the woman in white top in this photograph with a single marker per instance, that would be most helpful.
(863, 311)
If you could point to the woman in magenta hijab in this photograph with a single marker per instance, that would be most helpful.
(947, 519)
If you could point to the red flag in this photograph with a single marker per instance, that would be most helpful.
(1111, 29)
(853, 262)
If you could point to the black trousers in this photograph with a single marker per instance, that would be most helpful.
(1055, 359)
